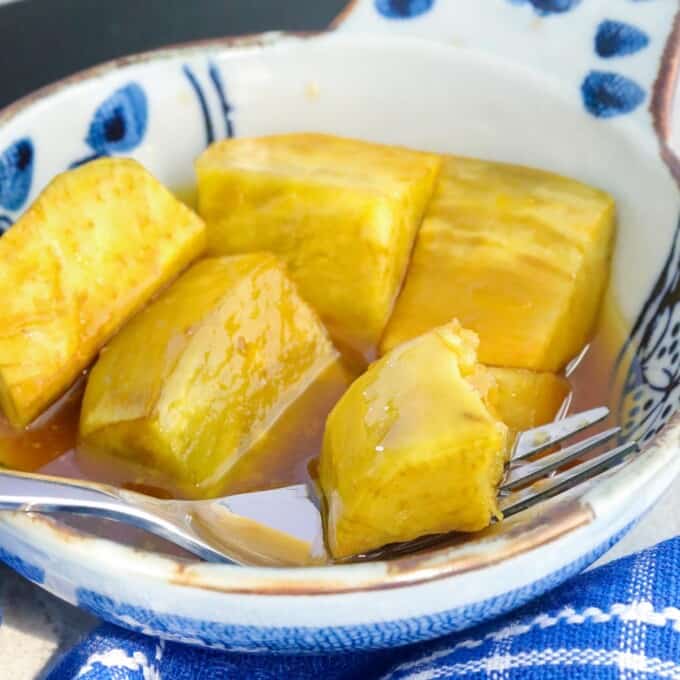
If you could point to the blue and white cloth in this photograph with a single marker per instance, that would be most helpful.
(621, 620)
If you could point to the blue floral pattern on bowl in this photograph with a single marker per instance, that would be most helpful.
(403, 9)
(619, 39)
(607, 94)
(651, 392)
(118, 125)
(216, 86)
(548, 7)
(16, 177)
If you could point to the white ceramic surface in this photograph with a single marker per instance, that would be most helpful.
(406, 91)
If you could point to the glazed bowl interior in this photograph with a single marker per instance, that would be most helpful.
(164, 108)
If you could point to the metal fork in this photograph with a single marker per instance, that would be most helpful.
(283, 526)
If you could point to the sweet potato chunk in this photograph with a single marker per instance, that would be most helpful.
(87, 255)
(192, 383)
(342, 213)
(520, 256)
(413, 447)
(526, 399)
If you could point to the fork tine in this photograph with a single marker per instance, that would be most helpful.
(531, 442)
(526, 498)
(528, 472)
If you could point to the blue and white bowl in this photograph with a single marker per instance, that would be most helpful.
(586, 90)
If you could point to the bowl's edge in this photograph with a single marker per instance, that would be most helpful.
(662, 100)
(252, 40)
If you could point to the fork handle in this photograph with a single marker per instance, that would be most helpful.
(29, 492)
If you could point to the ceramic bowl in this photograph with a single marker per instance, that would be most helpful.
(507, 86)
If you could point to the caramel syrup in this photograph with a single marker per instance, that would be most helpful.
(286, 455)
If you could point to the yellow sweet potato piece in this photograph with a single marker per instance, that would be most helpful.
(526, 399)
(342, 213)
(191, 384)
(87, 255)
(413, 447)
(520, 256)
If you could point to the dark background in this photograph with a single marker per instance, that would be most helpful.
(44, 40)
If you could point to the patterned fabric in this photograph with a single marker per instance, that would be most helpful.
(618, 621)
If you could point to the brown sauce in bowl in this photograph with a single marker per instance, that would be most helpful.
(287, 454)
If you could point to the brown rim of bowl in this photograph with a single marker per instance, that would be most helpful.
(663, 94)
(430, 565)
(343, 14)
(565, 516)
(265, 39)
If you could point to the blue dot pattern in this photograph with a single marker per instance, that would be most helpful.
(618, 39)
(547, 7)
(604, 94)
(118, 125)
(403, 9)
(607, 94)
(120, 122)
(16, 174)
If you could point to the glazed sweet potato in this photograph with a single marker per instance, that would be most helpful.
(526, 399)
(85, 257)
(413, 447)
(342, 213)
(520, 256)
(190, 385)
